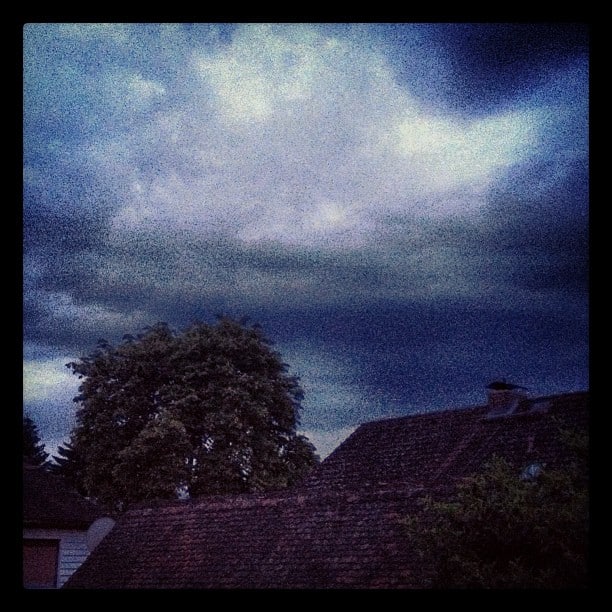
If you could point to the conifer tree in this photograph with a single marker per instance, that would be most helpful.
(69, 465)
(33, 449)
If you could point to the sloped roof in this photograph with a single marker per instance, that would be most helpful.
(255, 541)
(341, 527)
(435, 449)
(48, 502)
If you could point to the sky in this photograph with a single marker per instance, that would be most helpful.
(403, 208)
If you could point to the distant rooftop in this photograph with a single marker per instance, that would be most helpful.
(48, 502)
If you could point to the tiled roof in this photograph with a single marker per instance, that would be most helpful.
(436, 449)
(49, 503)
(340, 528)
(256, 541)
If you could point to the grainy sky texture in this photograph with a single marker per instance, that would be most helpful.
(402, 207)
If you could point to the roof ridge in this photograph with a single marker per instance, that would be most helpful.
(304, 496)
(435, 412)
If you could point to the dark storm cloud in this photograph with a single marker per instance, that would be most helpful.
(58, 221)
(408, 357)
(403, 208)
(476, 67)
(544, 232)
(146, 275)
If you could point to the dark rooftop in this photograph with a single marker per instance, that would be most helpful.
(436, 449)
(48, 502)
(340, 527)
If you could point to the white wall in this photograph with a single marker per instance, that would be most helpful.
(72, 549)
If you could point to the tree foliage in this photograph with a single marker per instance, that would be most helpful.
(507, 530)
(33, 449)
(69, 465)
(209, 410)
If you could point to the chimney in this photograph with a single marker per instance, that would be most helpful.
(503, 398)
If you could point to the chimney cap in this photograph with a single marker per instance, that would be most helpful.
(502, 385)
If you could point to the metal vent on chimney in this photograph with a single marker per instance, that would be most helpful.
(503, 399)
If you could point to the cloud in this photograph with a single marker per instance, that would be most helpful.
(477, 68)
(128, 95)
(46, 379)
(284, 72)
(137, 279)
(455, 155)
(299, 173)
(333, 151)
(48, 390)
(91, 315)
(115, 32)
(293, 136)
(55, 316)
(143, 88)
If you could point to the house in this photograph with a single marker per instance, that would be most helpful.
(339, 528)
(56, 521)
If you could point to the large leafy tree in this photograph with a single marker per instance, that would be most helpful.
(508, 530)
(209, 410)
(33, 449)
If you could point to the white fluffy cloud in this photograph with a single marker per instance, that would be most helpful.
(45, 379)
(287, 134)
(450, 154)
